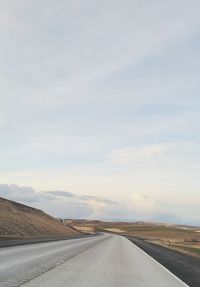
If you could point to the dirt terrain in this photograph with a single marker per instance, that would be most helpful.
(21, 221)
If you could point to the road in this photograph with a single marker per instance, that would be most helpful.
(184, 266)
(105, 260)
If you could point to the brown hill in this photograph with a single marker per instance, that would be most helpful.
(18, 220)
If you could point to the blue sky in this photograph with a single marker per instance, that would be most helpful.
(101, 99)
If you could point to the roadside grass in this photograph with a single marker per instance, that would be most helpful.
(185, 240)
(191, 250)
(154, 232)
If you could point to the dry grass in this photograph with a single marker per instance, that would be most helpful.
(85, 229)
(183, 239)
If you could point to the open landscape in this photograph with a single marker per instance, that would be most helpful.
(57, 241)
(185, 239)
(18, 221)
(99, 143)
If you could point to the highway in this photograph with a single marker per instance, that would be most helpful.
(105, 260)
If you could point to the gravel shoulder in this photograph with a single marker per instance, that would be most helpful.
(186, 267)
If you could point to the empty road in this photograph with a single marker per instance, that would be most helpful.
(105, 260)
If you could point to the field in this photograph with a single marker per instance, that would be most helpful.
(185, 239)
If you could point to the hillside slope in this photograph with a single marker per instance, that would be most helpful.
(18, 220)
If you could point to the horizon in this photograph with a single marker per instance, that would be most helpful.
(108, 220)
(99, 108)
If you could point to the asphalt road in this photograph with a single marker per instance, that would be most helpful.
(184, 266)
(105, 260)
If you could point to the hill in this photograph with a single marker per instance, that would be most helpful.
(18, 220)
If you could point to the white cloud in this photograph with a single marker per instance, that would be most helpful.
(22, 193)
(57, 203)
(138, 206)
(142, 202)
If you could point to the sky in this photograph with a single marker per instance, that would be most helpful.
(99, 108)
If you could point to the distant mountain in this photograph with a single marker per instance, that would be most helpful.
(18, 220)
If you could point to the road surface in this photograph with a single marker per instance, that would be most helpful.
(184, 266)
(105, 260)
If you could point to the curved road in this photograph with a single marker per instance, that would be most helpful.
(106, 260)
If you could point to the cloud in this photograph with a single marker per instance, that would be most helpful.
(95, 95)
(61, 193)
(97, 199)
(137, 206)
(80, 197)
(57, 203)
(23, 194)
(141, 201)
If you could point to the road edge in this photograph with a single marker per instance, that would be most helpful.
(182, 266)
(18, 242)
